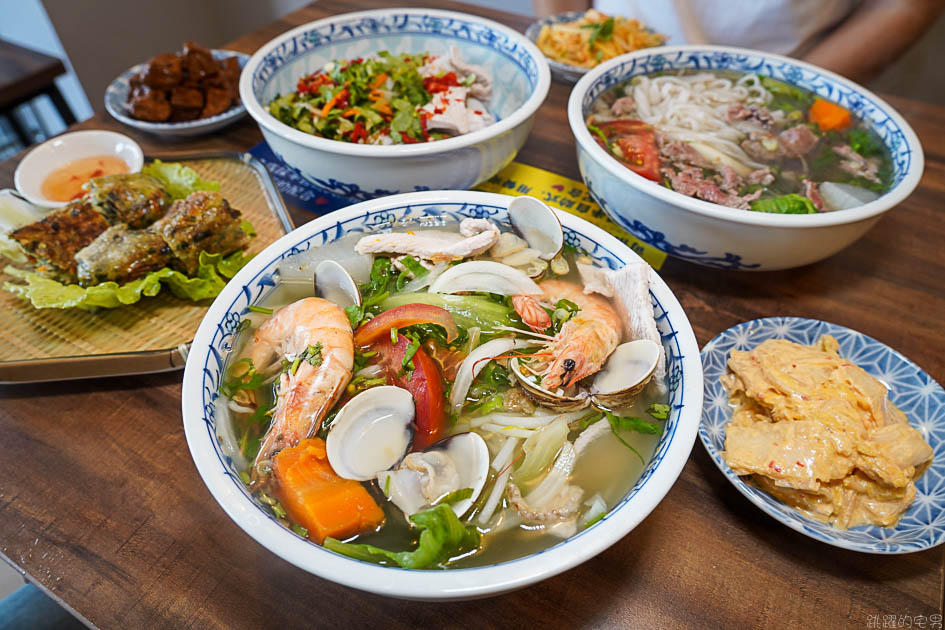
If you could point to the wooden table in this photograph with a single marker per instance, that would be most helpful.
(100, 503)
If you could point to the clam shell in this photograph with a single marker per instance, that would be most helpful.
(335, 284)
(626, 374)
(371, 433)
(546, 398)
(538, 225)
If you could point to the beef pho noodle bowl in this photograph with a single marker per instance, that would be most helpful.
(470, 394)
(742, 140)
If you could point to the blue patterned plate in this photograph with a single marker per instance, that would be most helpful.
(910, 388)
(116, 99)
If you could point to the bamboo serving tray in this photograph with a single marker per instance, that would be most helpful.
(152, 335)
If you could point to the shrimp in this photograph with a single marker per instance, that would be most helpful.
(321, 331)
(584, 342)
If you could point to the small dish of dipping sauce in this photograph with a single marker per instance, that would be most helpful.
(54, 173)
(66, 182)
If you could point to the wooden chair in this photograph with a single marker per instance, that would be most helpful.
(24, 75)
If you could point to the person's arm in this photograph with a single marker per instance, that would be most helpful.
(874, 36)
(544, 8)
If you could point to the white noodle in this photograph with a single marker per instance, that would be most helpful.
(694, 108)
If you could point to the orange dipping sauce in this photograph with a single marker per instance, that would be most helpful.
(65, 183)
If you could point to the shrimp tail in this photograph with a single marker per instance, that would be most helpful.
(531, 312)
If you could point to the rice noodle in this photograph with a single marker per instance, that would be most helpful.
(694, 107)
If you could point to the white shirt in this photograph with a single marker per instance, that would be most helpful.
(787, 27)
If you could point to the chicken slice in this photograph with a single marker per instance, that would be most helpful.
(475, 237)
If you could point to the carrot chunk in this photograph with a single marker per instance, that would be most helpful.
(829, 116)
(318, 499)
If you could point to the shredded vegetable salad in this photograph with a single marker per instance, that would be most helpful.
(388, 99)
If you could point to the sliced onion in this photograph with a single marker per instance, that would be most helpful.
(845, 196)
(425, 280)
(494, 497)
(505, 454)
(555, 480)
(597, 508)
(471, 366)
(485, 276)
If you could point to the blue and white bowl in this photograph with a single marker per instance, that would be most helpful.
(116, 102)
(520, 84)
(910, 389)
(713, 235)
(206, 418)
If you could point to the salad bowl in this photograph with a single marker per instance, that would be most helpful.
(205, 413)
(364, 171)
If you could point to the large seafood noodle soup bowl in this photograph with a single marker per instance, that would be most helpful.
(214, 448)
(519, 73)
(715, 235)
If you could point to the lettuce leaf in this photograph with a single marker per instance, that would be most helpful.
(213, 272)
(786, 204)
(179, 180)
(442, 536)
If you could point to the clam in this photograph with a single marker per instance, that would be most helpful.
(622, 378)
(538, 225)
(556, 401)
(626, 374)
(334, 283)
(371, 433)
(453, 464)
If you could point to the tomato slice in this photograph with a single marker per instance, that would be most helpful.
(403, 316)
(636, 140)
(424, 383)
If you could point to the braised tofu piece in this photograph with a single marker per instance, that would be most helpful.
(186, 98)
(148, 104)
(56, 238)
(135, 199)
(198, 61)
(204, 221)
(163, 71)
(217, 102)
(120, 254)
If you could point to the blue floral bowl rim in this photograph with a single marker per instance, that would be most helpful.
(116, 90)
(840, 217)
(456, 583)
(518, 117)
(791, 518)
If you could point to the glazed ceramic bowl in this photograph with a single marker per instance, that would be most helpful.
(116, 102)
(56, 152)
(206, 420)
(357, 171)
(713, 235)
